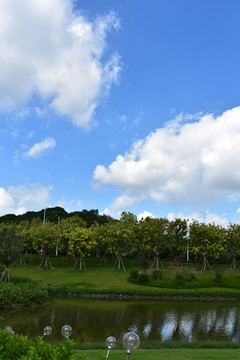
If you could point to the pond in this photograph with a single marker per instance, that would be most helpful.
(94, 320)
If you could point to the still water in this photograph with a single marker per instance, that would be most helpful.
(94, 320)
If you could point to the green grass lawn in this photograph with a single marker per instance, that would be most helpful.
(101, 279)
(167, 354)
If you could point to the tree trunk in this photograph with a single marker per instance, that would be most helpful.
(45, 261)
(234, 263)
(6, 276)
(158, 261)
(205, 264)
(119, 262)
(81, 263)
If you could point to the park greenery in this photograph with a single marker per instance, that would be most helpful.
(20, 347)
(152, 239)
(150, 255)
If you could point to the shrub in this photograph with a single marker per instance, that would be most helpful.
(23, 292)
(134, 274)
(179, 278)
(143, 278)
(144, 264)
(218, 277)
(184, 276)
(156, 274)
(20, 347)
(188, 275)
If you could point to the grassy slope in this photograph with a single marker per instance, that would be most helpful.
(101, 279)
(168, 354)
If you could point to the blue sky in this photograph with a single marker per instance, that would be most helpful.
(127, 105)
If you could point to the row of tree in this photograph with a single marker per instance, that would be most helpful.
(153, 238)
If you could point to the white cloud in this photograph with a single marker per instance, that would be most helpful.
(18, 200)
(46, 48)
(6, 201)
(192, 158)
(39, 149)
(144, 215)
(198, 216)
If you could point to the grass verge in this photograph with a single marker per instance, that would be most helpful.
(167, 354)
(99, 279)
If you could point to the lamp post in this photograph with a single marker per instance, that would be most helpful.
(187, 239)
(111, 343)
(57, 236)
(47, 331)
(66, 331)
(131, 342)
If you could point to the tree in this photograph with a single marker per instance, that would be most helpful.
(22, 230)
(80, 243)
(206, 241)
(66, 227)
(100, 235)
(43, 237)
(233, 243)
(177, 231)
(155, 238)
(10, 244)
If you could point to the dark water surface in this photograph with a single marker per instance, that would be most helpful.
(94, 320)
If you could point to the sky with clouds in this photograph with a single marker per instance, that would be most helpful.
(121, 106)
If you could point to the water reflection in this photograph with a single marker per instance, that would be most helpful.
(95, 320)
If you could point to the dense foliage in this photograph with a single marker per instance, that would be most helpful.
(20, 347)
(82, 234)
(21, 292)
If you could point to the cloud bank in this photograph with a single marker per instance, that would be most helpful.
(18, 200)
(192, 158)
(45, 48)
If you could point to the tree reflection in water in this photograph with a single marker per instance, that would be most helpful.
(94, 320)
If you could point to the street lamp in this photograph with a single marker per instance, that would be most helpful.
(204, 216)
(187, 239)
(111, 343)
(131, 342)
(66, 331)
(57, 236)
(47, 331)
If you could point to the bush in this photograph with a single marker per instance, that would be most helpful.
(134, 274)
(20, 347)
(156, 274)
(184, 276)
(179, 278)
(144, 264)
(22, 292)
(143, 278)
(218, 277)
(188, 275)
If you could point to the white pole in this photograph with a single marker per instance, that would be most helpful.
(44, 216)
(57, 236)
(44, 219)
(187, 239)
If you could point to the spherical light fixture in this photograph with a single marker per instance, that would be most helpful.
(111, 343)
(131, 342)
(47, 331)
(66, 331)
